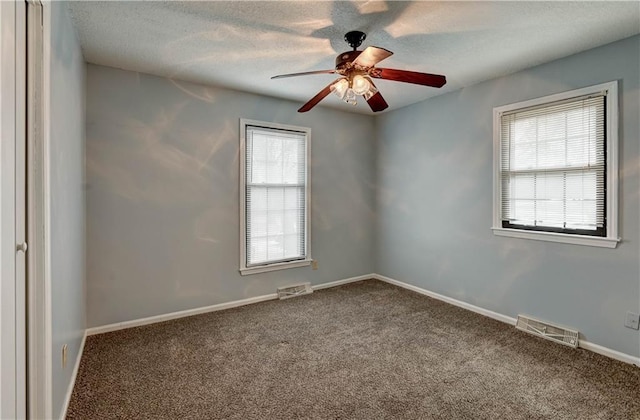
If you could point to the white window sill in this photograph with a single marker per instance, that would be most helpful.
(558, 237)
(274, 267)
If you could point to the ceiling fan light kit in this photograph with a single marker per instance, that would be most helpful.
(357, 69)
(349, 89)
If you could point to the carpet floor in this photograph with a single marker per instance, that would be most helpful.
(366, 350)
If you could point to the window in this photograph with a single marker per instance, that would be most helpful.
(274, 196)
(555, 167)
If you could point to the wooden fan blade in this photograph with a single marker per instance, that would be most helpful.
(377, 102)
(280, 76)
(425, 79)
(320, 96)
(372, 56)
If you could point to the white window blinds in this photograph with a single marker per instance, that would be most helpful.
(553, 167)
(275, 195)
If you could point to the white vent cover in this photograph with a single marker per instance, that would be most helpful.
(549, 331)
(295, 290)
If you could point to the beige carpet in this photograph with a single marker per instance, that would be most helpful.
(366, 350)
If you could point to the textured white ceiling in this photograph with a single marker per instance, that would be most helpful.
(241, 44)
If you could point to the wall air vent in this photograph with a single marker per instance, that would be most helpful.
(295, 290)
(549, 331)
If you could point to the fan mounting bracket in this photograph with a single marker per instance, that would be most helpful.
(355, 38)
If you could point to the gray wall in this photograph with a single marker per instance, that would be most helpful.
(162, 195)
(66, 174)
(435, 205)
(162, 200)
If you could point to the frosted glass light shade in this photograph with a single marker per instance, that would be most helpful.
(350, 97)
(360, 85)
(340, 88)
(372, 91)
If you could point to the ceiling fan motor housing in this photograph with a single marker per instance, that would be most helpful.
(344, 60)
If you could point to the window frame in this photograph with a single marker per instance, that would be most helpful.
(280, 265)
(611, 172)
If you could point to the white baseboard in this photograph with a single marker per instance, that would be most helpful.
(74, 375)
(605, 351)
(596, 348)
(343, 281)
(213, 308)
(486, 312)
(180, 314)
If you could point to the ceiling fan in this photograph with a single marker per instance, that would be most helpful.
(357, 68)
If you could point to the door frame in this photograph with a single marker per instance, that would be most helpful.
(40, 388)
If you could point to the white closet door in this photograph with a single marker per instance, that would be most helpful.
(12, 211)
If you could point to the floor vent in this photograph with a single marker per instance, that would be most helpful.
(551, 332)
(295, 290)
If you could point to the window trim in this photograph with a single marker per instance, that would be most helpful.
(612, 197)
(279, 265)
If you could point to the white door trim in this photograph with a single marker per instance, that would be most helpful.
(21, 210)
(39, 296)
